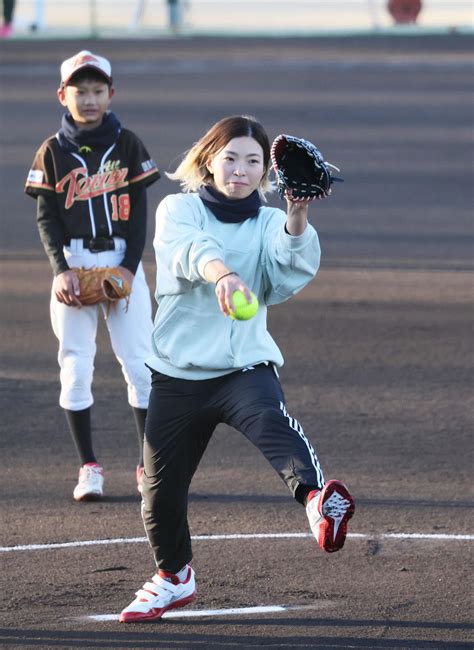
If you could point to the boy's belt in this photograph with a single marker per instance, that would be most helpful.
(98, 244)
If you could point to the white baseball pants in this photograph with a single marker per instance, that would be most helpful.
(129, 330)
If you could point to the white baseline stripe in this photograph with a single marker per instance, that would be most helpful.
(234, 611)
(141, 540)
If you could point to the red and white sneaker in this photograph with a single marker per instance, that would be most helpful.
(328, 512)
(165, 591)
(139, 475)
(91, 483)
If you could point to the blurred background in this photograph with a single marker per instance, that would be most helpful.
(143, 18)
(378, 350)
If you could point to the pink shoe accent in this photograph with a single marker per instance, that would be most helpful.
(139, 476)
(156, 612)
(6, 31)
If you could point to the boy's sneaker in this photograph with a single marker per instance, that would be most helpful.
(165, 591)
(6, 31)
(328, 512)
(139, 475)
(91, 483)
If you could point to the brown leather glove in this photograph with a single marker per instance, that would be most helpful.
(104, 284)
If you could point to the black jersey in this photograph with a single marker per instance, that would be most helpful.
(91, 192)
(92, 188)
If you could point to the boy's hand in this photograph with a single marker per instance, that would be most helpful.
(126, 275)
(66, 289)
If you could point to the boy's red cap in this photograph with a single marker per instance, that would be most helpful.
(85, 59)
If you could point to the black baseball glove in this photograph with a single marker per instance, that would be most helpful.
(300, 169)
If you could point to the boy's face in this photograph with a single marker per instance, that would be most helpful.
(87, 100)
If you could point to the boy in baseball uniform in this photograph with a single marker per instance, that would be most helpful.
(89, 181)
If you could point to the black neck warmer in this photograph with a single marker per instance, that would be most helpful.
(72, 137)
(230, 210)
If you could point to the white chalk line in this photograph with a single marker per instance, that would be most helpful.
(443, 537)
(194, 613)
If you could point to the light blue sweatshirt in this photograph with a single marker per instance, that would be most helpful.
(192, 339)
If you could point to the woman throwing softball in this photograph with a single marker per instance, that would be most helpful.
(213, 239)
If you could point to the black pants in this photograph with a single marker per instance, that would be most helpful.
(8, 9)
(182, 416)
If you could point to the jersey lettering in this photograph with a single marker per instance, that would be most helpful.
(82, 187)
(110, 165)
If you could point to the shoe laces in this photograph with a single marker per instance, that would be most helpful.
(88, 472)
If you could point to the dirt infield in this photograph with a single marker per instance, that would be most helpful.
(378, 362)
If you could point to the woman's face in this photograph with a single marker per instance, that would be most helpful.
(238, 168)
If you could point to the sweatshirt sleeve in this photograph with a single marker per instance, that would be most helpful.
(182, 248)
(289, 262)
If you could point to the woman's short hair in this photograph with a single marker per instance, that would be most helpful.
(192, 173)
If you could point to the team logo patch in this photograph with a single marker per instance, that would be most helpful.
(85, 58)
(85, 149)
(35, 176)
(148, 165)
